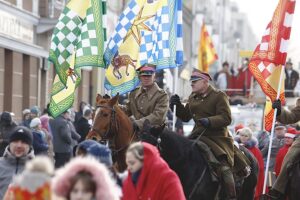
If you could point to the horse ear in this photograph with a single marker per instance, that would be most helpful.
(98, 98)
(114, 100)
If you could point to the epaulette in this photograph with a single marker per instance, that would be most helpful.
(162, 91)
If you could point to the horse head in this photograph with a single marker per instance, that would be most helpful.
(104, 125)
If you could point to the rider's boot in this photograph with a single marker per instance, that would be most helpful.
(228, 182)
(275, 195)
(213, 163)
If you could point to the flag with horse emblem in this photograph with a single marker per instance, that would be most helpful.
(269, 56)
(207, 53)
(77, 41)
(148, 31)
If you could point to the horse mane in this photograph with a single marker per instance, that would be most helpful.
(172, 138)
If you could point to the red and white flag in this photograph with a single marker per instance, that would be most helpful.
(270, 55)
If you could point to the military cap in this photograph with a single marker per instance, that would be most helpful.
(197, 75)
(146, 70)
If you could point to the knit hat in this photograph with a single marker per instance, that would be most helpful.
(238, 127)
(35, 110)
(38, 173)
(98, 151)
(26, 111)
(6, 117)
(291, 133)
(35, 122)
(21, 133)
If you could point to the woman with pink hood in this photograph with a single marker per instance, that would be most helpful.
(84, 178)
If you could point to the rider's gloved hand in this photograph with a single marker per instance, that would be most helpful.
(135, 126)
(277, 104)
(174, 100)
(204, 122)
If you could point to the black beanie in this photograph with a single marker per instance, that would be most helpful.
(21, 133)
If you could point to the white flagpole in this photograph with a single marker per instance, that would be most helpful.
(272, 132)
(175, 92)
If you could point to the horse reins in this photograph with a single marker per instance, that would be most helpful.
(110, 130)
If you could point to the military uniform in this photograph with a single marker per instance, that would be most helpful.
(213, 105)
(288, 117)
(151, 104)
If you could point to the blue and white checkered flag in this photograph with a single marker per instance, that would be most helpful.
(147, 32)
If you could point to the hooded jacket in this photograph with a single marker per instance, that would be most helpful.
(251, 145)
(11, 166)
(106, 189)
(279, 158)
(156, 180)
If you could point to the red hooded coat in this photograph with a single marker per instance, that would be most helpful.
(279, 158)
(156, 181)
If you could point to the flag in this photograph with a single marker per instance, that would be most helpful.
(207, 53)
(77, 41)
(148, 31)
(270, 55)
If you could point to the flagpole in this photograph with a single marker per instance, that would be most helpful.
(272, 132)
(175, 92)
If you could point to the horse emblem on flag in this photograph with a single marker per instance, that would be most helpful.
(147, 32)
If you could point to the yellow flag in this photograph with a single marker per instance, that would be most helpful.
(207, 53)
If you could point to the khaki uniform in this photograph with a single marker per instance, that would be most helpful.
(288, 117)
(152, 104)
(214, 105)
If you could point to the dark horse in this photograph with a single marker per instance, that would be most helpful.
(112, 125)
(185, 158)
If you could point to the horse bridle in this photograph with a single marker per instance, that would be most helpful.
(108, 132)
(105, 138)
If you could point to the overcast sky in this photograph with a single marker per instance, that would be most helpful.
(260, 13)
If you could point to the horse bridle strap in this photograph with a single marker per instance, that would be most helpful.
(113, 119)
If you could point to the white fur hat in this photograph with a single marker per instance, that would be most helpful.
(35, 122)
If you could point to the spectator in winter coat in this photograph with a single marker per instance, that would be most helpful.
(16, 154)
(62, 139)
(83, 126)
(34, 182)
(26, 118)
(289, 138)
(277, 143)
(6, 127)
(40, 145)
(291, 79)
(84, 178)
(149, 175)
(245, 138)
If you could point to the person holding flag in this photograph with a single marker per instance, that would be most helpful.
(267, 67)
(147, 101)
(287, 117)
(210, 110)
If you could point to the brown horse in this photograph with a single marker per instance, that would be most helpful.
(111, 125)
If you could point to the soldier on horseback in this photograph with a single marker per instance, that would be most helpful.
(147, 101)
(287, 117)
(210, 110)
